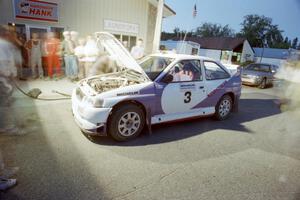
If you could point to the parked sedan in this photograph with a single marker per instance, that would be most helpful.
(261, 75)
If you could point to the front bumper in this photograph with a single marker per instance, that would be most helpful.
(91, 121)
(251, 81)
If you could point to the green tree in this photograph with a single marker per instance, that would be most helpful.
(260, 28)
(176, 30)
(214, 30)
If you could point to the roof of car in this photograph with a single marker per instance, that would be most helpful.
(263, 64)
(181, 56)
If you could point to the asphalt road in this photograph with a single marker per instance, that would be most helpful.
(253, 155)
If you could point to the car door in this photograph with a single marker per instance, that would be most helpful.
(179, 97)
(266, 71)
(215, 75)
(215, 79)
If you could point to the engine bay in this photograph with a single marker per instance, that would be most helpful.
(103, 83)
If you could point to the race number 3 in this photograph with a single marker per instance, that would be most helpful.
(188, 97)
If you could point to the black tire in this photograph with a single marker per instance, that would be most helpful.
(263, 84)
(221, 107)
(122, 130)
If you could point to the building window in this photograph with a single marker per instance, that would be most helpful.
(225, 55)
(20, 29)
(127, 40)
(236, 57)
(195, 51)
(59, 31)
(25, 30)
(118, 37)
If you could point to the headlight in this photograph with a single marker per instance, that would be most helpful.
(95, 102)
(254, 76)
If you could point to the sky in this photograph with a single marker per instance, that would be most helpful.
(285, 13)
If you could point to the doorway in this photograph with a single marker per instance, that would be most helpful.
(41, 31)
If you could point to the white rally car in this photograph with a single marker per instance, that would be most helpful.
(162, 88)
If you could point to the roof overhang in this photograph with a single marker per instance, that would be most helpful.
(167, 10)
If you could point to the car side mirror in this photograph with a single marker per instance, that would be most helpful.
(167, 79)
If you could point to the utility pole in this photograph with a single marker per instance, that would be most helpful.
(157, 32)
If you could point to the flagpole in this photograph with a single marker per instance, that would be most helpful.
(195, 12)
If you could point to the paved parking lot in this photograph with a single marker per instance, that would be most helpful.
(253, 155)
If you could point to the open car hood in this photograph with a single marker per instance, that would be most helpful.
(115, 49)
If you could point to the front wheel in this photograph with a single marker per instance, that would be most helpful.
(126, 122)
(263, 84)
(223, 108)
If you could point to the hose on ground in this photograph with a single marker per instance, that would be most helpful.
(38, 91)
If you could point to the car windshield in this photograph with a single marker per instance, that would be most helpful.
(260, 68)
(154, 65)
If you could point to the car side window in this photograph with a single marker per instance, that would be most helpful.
(253, 67)
(214, 72)
(186, 70)
(265, 68)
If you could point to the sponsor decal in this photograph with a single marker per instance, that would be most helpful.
(36, 10)
(215, 90)
(184, 87)
(127, 93)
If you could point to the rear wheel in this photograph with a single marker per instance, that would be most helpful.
(126, 122)
(263, 84)
(224, 107)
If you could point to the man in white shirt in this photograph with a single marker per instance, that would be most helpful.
(79, 52)
(137, 51)
(91, 52)
(8, 70)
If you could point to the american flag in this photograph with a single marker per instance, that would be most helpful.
(195, 11)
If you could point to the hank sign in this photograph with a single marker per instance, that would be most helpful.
(36, 10)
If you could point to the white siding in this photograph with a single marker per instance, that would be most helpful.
(211, 53)
(87, 16)
(247, 53)
(181, 47)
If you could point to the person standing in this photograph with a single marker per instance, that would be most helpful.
(52, 53)
(125, 44)
(74, 37)
(8, 60)
(137, 51)
(34, 46)
(79, 52)
(19, 45)
(70, 59)
(91, 52)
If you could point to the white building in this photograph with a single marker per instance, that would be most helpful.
(225, 49)
(126, 19)
(181, 47)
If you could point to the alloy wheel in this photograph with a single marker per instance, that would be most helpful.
(129, 124)
(224, 107)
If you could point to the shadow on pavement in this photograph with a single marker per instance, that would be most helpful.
(249, 110)
(49, 168)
